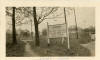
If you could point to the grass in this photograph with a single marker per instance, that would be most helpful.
(16, 50)
(55, 48)
(58, 49)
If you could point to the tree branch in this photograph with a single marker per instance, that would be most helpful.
(45, 15)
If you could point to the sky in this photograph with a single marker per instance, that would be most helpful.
(85, 17)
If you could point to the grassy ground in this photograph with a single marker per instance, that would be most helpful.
(91, 47)
(58, 49)
(14, 50)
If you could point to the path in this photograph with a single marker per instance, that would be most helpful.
(28, 51)
(91, 47)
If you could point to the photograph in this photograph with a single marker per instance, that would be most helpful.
(50, 31)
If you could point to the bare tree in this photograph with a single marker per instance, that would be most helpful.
(23, 12)
(13, 26)
(45, 12)
(11, 11)
(37, 43)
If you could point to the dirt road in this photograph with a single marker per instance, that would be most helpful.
(91, 47)
(28, 51)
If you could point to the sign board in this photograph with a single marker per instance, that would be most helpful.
(55, 31)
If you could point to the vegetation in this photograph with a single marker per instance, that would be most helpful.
(27, 12)
(16, 47)
(14, 50)
(56, 48)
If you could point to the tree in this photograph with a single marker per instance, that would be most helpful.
(23, 12)
(36, 27)
(17, 15)
(14, 27)
(10, 11)
(39, 18)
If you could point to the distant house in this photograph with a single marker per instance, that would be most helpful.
(92, 35)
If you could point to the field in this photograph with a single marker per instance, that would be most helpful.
(26, 46)
(56, 48)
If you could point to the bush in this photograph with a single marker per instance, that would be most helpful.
(84, 37)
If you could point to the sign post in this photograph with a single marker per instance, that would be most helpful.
(67, 32)
(76, 23)
(58, 30)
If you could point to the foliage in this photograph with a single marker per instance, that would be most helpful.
(90, 29)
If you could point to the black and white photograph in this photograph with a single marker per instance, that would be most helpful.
(50, 31)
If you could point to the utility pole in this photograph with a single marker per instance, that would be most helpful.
(76, 23)
(31, 30)
(67, 31)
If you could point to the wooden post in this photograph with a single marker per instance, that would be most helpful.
(76, 23)
(67, 31)
(62, 40)
(48, 35)
(47, 51)
(31, 30)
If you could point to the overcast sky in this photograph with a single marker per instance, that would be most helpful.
(85, 17)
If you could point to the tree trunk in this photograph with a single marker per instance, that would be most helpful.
(37, 42)
(13, 27)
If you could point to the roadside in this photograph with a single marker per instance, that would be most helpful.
(90, 46)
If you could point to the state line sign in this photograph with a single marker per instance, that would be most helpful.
(58, 30)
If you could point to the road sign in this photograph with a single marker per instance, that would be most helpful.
(55, 31)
